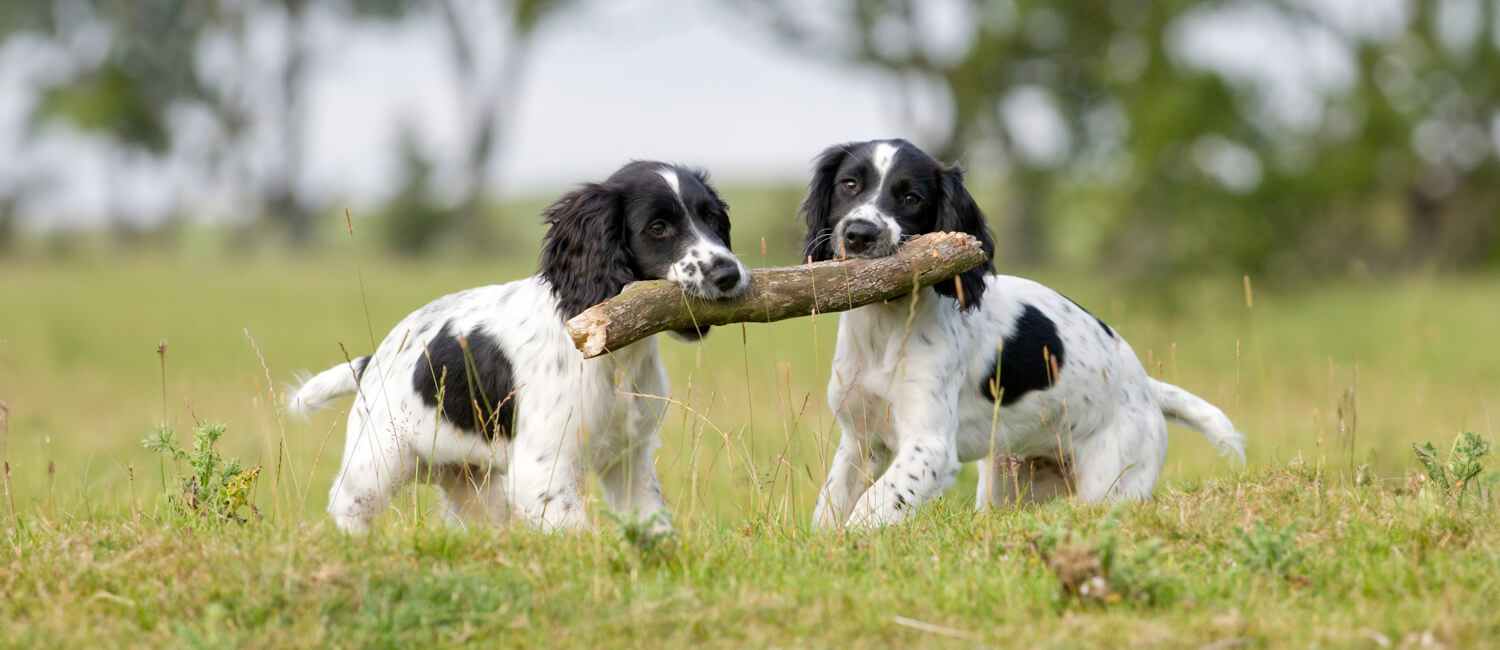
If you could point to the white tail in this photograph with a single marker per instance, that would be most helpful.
(1193, 412)
(316, 392)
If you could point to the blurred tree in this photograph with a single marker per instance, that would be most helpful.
(256, 95)
(245, 64)
(1109, 125)
(412, 222)
(9, 216)
(15, 18)
(489, 93)
(283, 201)
(148, 66)
(1028, 52)
(488, 44)
(127, 69)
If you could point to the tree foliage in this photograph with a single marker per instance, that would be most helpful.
(153, 62)
(1170, 163)
(1118, 138)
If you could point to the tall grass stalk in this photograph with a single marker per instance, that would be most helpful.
(274, 405)
(10, 495)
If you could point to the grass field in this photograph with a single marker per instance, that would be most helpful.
(1293, 551)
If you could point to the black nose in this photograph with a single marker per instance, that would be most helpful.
(725, 274)
(859, 235)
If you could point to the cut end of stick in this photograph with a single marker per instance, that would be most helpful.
(589, 330)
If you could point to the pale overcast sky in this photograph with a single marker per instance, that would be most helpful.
(642, 79)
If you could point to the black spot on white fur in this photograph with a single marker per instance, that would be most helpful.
(476, 389)
(1027, 358)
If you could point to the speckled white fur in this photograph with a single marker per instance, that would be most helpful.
(574, 416)
(703, 250)
(569, 417)
(907, 392)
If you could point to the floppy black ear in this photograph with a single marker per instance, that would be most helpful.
(818, 243)
(583, 253)
(959, 213)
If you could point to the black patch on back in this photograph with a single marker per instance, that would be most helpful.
(1107, 331)
(477, 391)
(1024, 358)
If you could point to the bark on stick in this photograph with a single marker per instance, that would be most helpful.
(778, 293)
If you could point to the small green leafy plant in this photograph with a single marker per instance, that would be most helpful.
(1268, 549)
(213, 490)
(1455, 477)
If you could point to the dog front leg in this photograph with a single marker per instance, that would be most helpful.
(855, 465)
(926, 461)
(543, 480)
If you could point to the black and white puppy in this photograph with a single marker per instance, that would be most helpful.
(985, 368)
(483, 391)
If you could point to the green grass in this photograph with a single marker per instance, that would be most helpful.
(1370, 565)
(1289, 553)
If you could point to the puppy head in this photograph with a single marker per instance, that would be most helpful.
(867, 197)
(649, 221)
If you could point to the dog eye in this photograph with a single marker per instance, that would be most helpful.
(657, 228)
(849, 185)
(911, 200)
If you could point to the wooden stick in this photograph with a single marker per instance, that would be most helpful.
(646, 308)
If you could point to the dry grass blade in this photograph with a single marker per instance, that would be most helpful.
(933, 629)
